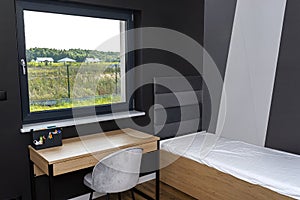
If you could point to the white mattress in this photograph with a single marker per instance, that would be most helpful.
(276, 170)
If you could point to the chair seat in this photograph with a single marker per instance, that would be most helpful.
(88, 180)
(116, 172)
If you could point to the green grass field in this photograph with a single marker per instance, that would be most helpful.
(64, 105)
(49, 83)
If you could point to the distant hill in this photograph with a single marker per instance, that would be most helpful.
(77, 54)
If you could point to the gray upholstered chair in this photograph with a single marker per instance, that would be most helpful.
(116, 173)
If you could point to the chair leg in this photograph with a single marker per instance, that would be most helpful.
(119, 196)
(107, 196)
(132, 194)
(91, 195)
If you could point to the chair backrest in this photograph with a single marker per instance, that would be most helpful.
(117, 172)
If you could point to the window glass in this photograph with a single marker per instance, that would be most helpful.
(67, 66)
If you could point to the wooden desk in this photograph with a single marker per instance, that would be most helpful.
(84, 152)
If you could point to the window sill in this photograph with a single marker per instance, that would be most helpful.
(79, 121)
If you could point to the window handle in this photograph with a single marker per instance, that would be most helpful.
(23, 64)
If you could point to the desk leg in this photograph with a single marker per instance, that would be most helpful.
(157, 182)
(51, 182)
(157, 178)
(32, 180)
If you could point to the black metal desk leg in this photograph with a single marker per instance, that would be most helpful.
(157, 183)
(32, 180)
(157, 178)
(51, 182)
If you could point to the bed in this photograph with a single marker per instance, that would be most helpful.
(231, 170)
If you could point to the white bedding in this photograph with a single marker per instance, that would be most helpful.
(276, 170)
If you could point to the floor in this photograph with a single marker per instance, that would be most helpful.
(166, 192)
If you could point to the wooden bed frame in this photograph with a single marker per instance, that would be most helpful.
(203, 182)
(186, 175)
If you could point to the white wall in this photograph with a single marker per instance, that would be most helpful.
(250, 72)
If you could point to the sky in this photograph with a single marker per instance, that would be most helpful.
(49, 30)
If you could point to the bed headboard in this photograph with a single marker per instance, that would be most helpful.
(178, 110)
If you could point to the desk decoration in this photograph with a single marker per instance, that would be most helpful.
(46, 138)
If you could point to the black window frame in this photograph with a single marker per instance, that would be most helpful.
(75, 10)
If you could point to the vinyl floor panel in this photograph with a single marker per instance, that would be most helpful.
(166, 193)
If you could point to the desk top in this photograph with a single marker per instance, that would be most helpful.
(86, 145)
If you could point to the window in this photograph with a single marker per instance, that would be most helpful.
(63, 64)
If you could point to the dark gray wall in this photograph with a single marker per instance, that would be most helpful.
(14, 159)
(174, 14)
(218, 21)
(284, 118)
